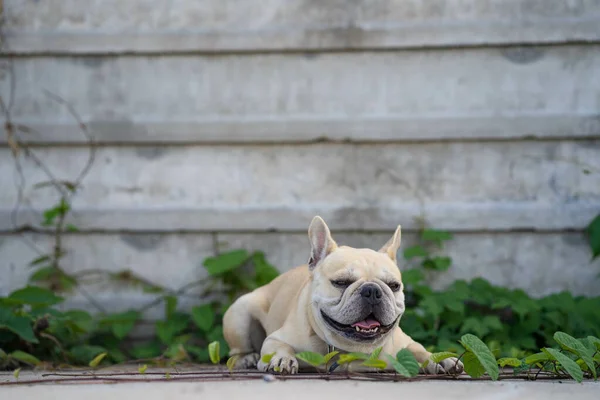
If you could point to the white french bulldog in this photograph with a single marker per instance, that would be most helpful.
(351, 299)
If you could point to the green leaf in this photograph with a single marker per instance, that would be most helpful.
(406, 358)
(35, 296)
(71, 228)
(568, 365)
(492, 322)
(476, 325)
(16, 373)
(453, 303)
(122, 323)
(483, 354)
(438, 263)
(147, 350)
(97, 360)
(314, 359)
(117, 356)
(82, 321)
(375, 363)
(142, 369)
(415, 251)
(412, 276)
(40, 260)
(25, 357)
(473, 366)
(225, 262)
(214, 352)
(405, 363)
(573, 345)
(204, 317)
(201, 353)
(267, 358)
(435, 236)
(231, 361)
(350, 357)
(375, 354)
(595, 341)
(84, 354)
(43, 274)
(510, 361)
(167, 330)
(588, 345)
(439, 357)
(62, 208)
(20, 326)
(216, 333)
(176, 352)
(536, 358)
(329, 356)
(521, 369)
(170, 306)
(432, 306)
(264, 272)
(593, 233)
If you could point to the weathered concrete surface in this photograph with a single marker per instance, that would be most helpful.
(539, 263)
(84, 26)
(461, 116)
(485, 93)
(171, 261)
(300, 389)
(454, 186)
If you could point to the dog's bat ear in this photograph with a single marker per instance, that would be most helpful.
(321, 243)
(392, 246)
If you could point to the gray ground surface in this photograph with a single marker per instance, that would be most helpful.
(80, 385)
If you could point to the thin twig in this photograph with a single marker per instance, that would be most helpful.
(216, 376)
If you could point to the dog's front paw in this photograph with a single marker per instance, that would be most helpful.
(247, 361)
(451, 366)
(281, 363)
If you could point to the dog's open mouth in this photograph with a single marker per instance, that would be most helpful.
(366, 329)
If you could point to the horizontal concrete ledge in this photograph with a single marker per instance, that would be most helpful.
(316, 389)
(329, 39)
(531, 261)
(311, 128)
(487, 216)
(160, 26)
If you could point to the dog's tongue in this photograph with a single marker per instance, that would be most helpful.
(368, 323)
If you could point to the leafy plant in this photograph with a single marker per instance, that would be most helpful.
(508, 321)
(578, 359)
(425, 253)
(33, 329)
(593, 232)
(405, 363)
(510, 324)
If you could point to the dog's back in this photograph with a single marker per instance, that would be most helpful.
(267, 307)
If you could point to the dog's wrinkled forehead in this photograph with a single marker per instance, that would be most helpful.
(348, 262)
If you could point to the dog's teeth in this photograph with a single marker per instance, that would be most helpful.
(357, 329)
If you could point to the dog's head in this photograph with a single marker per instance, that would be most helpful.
(357, 295)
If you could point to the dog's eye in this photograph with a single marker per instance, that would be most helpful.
(341, 283)
(395, 286)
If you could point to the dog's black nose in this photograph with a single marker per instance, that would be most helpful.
(371, 293)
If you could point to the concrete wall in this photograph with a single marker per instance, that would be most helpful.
(223, 124)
